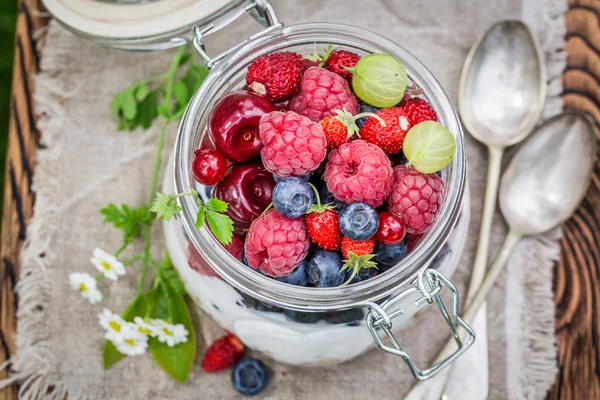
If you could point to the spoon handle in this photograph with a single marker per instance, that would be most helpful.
(478, 299)
(489, 206)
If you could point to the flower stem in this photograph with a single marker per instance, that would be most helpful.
(123, 247)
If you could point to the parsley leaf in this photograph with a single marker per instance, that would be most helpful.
(165, 206)
(129, 220)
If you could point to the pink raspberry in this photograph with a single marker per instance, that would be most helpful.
(276, 244)
(359, 171)
(322, 92)
(293, 144)
(417, 197)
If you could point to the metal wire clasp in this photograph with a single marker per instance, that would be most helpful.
(261, 10)
(429, 284)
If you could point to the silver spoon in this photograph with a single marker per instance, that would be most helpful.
(543, 185)
(501, 96)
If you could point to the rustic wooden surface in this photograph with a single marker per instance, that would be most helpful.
(577, 273)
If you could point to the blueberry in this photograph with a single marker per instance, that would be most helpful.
(359, 221)
(249, 376)
(324, 269)
(389, 255)
(343, 317)
(292, 197)
(305, 177)
(298, 277)
(364, 107)
(260, 306)
(302, 317)
(363, 274)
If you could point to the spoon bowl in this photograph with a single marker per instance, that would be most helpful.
(549, 175)
(503, 85)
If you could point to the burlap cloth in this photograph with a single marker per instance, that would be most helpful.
(86, 163)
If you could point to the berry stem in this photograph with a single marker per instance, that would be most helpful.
(316, 194)
(369, 114)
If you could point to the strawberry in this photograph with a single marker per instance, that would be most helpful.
(338, 59)
(275, 75)
(391, 136)
(358, 255)
(223, 353)
(324, 229)
(340, 128)
(418, 110)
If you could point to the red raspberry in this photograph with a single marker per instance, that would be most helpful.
(359, 171)
(324, 229)
(418, 110)
(276, 244)
(322, 93)
(224, 353)
(293, 144)
(412, 241)
(339, 59)
(417, 197)
(275, 75)
(391, 136)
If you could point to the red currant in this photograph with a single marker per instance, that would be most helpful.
(209, 166)
(391, 228)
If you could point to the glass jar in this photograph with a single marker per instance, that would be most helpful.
(304, 325)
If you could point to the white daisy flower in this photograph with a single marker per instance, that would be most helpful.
(169, 333)
(134, 343)
(144, 327)
(114, 324)
(107, 264)
(86, 285)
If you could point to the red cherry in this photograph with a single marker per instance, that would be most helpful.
(234, 124)
(247, 188)
(235, 247)
(208, 167)
(391, 228)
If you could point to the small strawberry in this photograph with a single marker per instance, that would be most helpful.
(358, 255)
(418, 110)
(388, 137)
(340, 128)
(223, 353)
(338, 60)
(323, 226)
(275, 75)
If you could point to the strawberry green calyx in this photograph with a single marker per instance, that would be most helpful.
(356, 263)
(321, 58)
(349, 120)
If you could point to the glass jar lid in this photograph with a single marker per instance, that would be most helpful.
(137, 24)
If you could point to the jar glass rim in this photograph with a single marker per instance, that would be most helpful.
(306, 298)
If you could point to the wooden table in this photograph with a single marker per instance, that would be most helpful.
(577, 272)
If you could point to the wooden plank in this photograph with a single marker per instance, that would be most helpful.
(18, 196)
(578, 272)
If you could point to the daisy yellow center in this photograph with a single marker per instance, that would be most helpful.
(145, 330)
(114, 326)
(167, 332)
(129, 342)
(106, 265)
(82, 287)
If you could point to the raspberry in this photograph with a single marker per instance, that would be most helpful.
(418, 110)
(417, 197)
(276, 244)
(275, 75)
(293, 144)
(391, 136)
(359, 171)
(322, 92)
(339, 59)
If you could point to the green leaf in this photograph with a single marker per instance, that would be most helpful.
(178, 360)
(141, 92)
(201, 216)
(137, 308)
(220, 225)
(184, 59)
(214, 204)
(129, 104)
(172, 278)
(163, 109)
(165, 206)
(147, 110)
(129, 220)
(181, 93)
